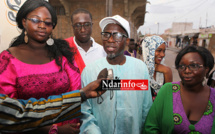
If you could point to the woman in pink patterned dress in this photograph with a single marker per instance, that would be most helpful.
(36, 65)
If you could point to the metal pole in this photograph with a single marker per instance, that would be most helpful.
(109, 4)
(158, 28)
(110, 7)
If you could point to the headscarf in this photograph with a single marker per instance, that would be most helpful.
(149, 45)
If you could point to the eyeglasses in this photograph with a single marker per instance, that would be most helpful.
(192, 67)
(116, 36)
(79, 26)
(37, 21)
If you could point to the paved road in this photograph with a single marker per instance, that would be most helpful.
(170, 61)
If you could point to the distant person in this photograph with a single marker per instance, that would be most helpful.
(154, 48)
(82, 29)
(195, 42)
(131, 49)
(139, 50)
(204, 44)
(178, 42)
(186, 106)
(121, 112)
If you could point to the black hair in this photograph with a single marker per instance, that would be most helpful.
(132, 39)
(81, 10)
(141, 41)
(59, 48)
(31, 5)
(203, 52)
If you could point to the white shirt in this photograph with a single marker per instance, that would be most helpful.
(95, 52)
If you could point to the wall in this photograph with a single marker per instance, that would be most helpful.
(181, 26)
(97, 8)
(8, 28)
(211, 46)
(64, 27)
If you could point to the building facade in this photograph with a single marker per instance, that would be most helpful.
(132, 10)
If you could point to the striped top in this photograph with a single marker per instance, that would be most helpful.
(24, 115)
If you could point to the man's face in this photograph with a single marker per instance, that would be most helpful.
(82, 27)
(114, 48)
(131, 45)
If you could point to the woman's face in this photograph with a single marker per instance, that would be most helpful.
(195, 73)
(38, 24)
(160, 53)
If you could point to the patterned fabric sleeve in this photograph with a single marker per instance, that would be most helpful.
(23, 115)
(7, 75)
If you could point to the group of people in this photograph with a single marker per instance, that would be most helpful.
(46, 84)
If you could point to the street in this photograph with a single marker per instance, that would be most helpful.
(170, 62)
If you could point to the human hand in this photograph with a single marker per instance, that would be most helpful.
(91, 90)
(70, 128)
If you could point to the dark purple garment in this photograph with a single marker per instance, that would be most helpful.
(181, 123)
(128, 54)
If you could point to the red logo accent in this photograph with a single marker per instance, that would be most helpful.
(134, 85)
(125, 84)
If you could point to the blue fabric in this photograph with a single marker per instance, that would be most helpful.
(127, 110)
(53, 97)
(149, 46)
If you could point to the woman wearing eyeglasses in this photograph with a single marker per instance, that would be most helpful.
(186, 106)
(154, 48)
(36, 65)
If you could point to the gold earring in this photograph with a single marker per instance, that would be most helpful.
(26, 37)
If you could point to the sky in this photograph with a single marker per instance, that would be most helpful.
(161, 14)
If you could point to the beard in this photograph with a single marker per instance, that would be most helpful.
(111, 56)
(114, 55)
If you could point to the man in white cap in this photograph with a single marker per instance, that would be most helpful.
(119, 112)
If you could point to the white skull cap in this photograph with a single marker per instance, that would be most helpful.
(116, 19)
